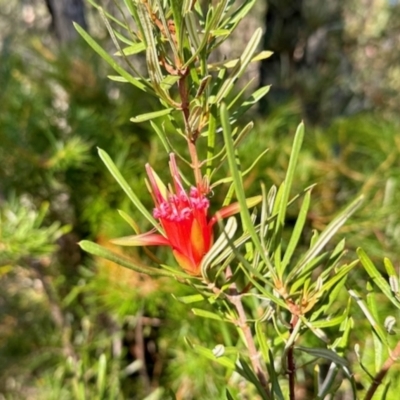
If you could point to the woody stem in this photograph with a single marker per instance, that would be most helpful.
(235, 298)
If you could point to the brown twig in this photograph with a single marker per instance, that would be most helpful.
(235, 298)
(55, 308)
(291, 365)
(139, 350)
(393, 357)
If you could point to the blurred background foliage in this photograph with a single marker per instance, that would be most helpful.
(75, 327)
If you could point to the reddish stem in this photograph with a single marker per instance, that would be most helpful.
(290, 361)
(395, 354)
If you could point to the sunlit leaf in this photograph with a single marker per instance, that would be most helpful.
(206, 314)
(323, 353)
(151, 115)
(127, 189)
(376, 276)
(100, 251)
(142, 85)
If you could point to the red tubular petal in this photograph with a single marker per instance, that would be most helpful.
(144, 239)
(157, 195)
(232, 209)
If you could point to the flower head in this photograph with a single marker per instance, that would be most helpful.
(183, 217)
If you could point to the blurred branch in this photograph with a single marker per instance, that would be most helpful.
(139, 350)
(55, 308)
(393, 357)
(236, 300)
(62, 14)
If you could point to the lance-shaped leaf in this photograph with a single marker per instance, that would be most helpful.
(298, 140)
(325, 237)
(141, 84)
(380, 331)
(240, 67)
(151, 115)
(377, 277)
(124, 185)
(100, 251)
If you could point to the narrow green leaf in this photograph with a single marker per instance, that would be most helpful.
(129, 220)
(262, 340)
(130, 6)
(190, 22)
(240, 67)
(342, 343)
(212, 20)
(297, 231)
(389, 268)
(167, 32)
(273, 377)
(324, 353)
(124, 39)
(108, 15)
(255, 278)
(162, 136)
(393, 278)
(232, 63)
(244, 173)
(328, 322)
(101, 375)
(157, 394)
(298, 141)
(100, 251)
(248, 103)
(207, 353)
(151, 115)
(126, 188)
(237, 16)
(244, 369)
(332, 297)
(306, 272)
(378, 351)
(117, 78)
(194, 298)
(113, 36)
(142, 85)
(340, 273)
(327, 385)
(325, 236)
(376, 276)
(385, 391)
(379, 330)
(169, 81)
(237, 180)
(206, 314)
(239, 96)
(133, 49)
(153, 65)
(177, 12)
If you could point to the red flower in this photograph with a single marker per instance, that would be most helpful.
(184, 223)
